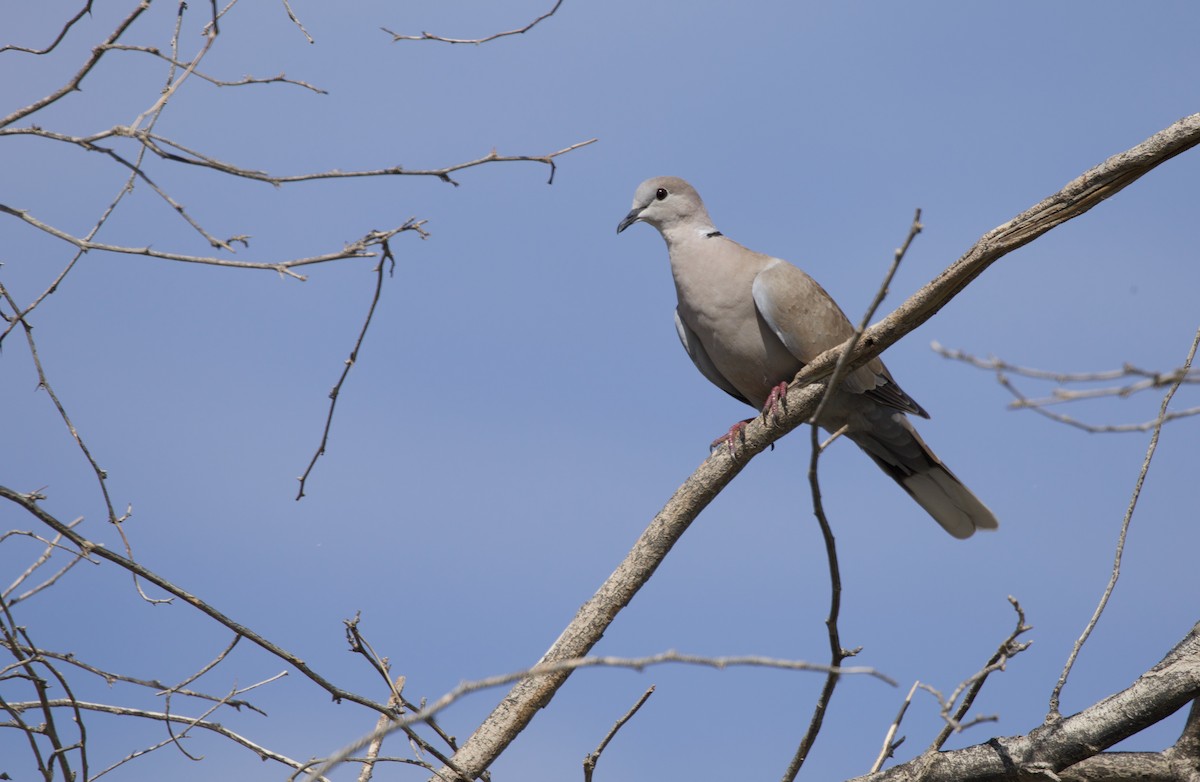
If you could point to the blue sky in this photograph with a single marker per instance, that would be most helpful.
(521, 406)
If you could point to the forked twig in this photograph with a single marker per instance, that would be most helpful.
(589, 763)
(1008, 649)
(1148, 380)
(890, 743)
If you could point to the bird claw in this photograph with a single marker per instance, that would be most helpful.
(730, 438)
(776, 401)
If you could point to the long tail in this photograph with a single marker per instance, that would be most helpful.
(893, 443)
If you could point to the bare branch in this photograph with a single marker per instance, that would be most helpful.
(51, 547)
(528, 696)
(29, 503)
(386, 255)
(87, 9)
(215, 727)
(44, 383)
(1116, 568)
(836, 653)
(1184, 757)
(548, 668)
(296, 21)
(589, 763)
(1059, 395)
(1053, 746)
(1009, 648)
(357, 249)
(397, 700)
(155, 143)
(73, 84)
(111, 677)
(244, 81)
(890, 744)
(428, 37)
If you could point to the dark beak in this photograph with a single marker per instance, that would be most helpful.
(631, 218)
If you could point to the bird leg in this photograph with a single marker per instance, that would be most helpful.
(775, 404)
(730, 438)
(776, 401)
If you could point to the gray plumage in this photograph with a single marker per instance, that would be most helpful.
(750, 322)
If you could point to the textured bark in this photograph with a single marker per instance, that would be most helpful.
(1058, 745)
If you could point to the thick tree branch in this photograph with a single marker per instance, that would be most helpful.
(517, 709)
(1050, 748)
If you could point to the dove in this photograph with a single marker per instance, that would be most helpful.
(750, 322)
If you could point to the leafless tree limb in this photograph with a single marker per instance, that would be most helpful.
(428, 37)
(73, 84)
(589, 763)
(1149, 380)
(1120, 549)
(357, 249)
(162, 146)
(44, 384)
(29, 503)
(111, 677)
(215, 727)
(515, 711)
(551, 668)
(51, 547)
(66, 28)
(890, 743)
(296, 21)
(1081, 739)
(836, 652)
(1009, 648)
(14, 638)
(359, 644)
(154, 51)
(385, 256)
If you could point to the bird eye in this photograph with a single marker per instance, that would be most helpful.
(661, 193)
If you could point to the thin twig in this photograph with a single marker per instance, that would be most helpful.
(87, 9)
(242, 82)
(385, 256)
(215, 727)
(890, 745)
(397, 701)
(357, 249)
(1054, 714)
(428, 37)
(193, 157)
(51, 546)
(374, 748)
(110, 677)
(836, 652)
(29, 503)
(1008, 649)
(1150, 380)
(551, 668)
(73, 83)
(296, 21)
(589, 763)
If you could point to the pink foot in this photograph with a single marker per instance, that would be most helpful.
(776, 401)
(729, 439)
